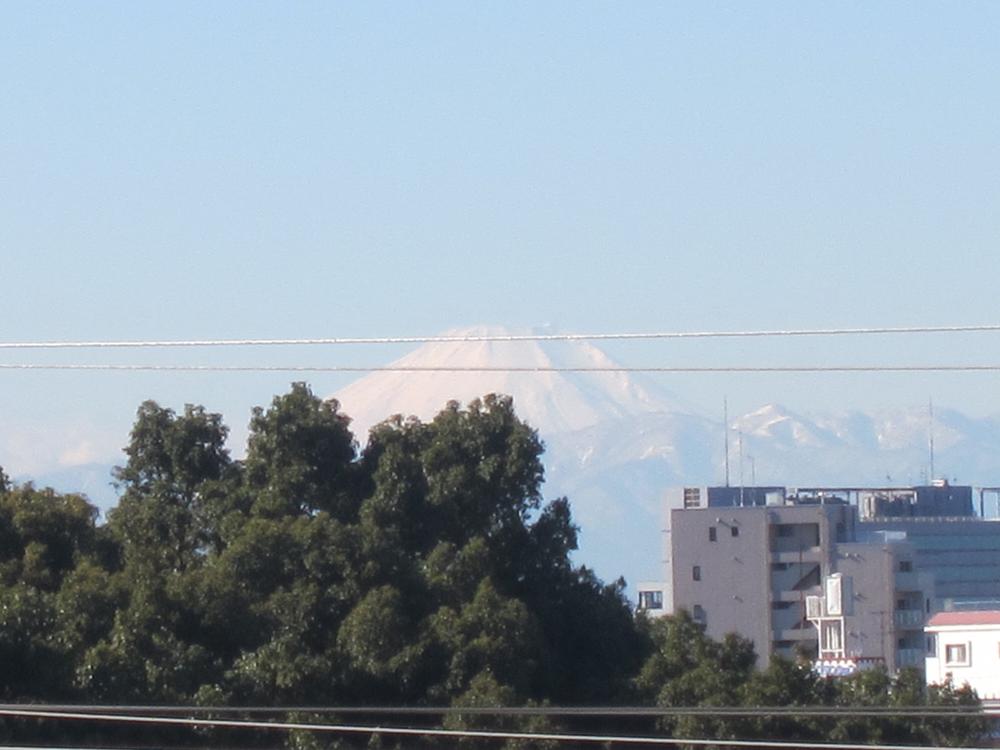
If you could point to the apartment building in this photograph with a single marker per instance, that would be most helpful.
(748, 560)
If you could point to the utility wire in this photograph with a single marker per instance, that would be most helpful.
(470, 338)
(589, 711)
(454, 733)
(505, 369)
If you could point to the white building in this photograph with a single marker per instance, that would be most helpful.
(966, 647)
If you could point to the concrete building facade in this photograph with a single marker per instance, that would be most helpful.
(961, 553)
(754, 569)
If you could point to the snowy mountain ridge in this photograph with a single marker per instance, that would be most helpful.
(552, 401)
(615, 442)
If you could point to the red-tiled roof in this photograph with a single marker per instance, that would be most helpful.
(990, 617)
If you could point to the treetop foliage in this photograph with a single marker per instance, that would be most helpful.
(413, 571)
(422, 569)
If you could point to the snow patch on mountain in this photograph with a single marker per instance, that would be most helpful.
(552, 402)
(616, 442)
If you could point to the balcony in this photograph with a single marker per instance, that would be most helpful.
(908, 619)
(802, 555)
(794, 596)
(910, 657)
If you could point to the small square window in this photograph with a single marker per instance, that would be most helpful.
(650, 600)
(734, 530)
(696, 573)
(711, 534)
(905, 566)
(956, 654)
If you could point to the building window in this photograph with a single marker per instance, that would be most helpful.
(696, 573)
(901, 604)
(786, 529)
(711, 533)
(931, 645)
(692, 497)
(698, 613)
(905, 566)
(956, 654)
(734, 531)
(650, 600)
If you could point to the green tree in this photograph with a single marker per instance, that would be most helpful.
(46, 539)
(171, 483)
(300, 457)
(177, 474)
(686, 668)
(454, 521)
(967, 728)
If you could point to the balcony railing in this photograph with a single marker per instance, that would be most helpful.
(909, 618)
(910, 657)
(798, 555)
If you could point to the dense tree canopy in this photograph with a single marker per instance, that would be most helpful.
(423, 569)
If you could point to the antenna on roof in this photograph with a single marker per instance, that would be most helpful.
(725, 433)
(930, 433)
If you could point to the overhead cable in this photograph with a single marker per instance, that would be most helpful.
(547, 710)
(502, 337)
(504, 369)
(429, 732)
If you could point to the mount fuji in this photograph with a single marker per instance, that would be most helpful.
(616, 441)
(552, 402)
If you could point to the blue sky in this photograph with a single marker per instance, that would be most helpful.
(239, 169)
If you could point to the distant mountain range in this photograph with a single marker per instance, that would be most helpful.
(616, 441)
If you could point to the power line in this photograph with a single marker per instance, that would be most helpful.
(676, 369)
(473, 338)
(427, 732)
(589, 711)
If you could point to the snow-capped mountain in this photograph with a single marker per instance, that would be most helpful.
(616, 442)
(553, 402)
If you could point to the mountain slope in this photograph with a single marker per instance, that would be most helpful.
(615, 442)
(553, 402)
